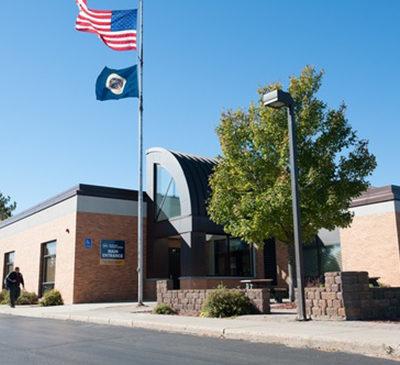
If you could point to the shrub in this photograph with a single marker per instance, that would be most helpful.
(223, 302)
(27, 298)
(51, 297)
(162, 308)
(4, 296)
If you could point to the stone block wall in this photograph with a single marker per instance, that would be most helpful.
(191, 300)
(347, 296)
(385, 303)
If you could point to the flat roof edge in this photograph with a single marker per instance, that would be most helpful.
(80, 189)
(377, 195)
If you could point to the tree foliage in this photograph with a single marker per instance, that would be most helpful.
(250, 186)
(6, 207)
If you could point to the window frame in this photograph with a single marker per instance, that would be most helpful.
(6, 264)
(228, 257)
(158, 211)
(43, 260)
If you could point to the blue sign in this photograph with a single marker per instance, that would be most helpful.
(112, 250)
(88, 243)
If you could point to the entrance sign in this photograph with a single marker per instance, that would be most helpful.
(112, 252)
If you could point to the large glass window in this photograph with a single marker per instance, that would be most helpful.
(8, 263)
(48, 265)
(321, 256)
(229, 257)
(331, 258)
(168, 204)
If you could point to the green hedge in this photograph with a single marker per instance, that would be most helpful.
(26, 298)
(223, 302)
(51, 297)
(4, 297)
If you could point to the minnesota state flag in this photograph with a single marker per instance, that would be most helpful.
(117, 84)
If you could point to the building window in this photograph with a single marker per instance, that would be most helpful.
(229, 257)
(48, 266)
(331, 258)
(8, 264)
(321, 257)
(167, 199)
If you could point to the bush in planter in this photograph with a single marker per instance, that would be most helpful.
(223, 302)
(4, 296)
(27, 298)
(51, 297)
(162, 308)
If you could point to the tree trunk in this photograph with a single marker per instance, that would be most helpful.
(291, 273)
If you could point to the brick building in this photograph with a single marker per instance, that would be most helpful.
(372, 242)
(83, 241)
(59, 243)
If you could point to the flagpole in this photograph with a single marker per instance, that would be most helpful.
(140, 268)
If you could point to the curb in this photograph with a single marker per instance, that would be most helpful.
(379, 350)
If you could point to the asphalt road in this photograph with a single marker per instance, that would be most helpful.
(29, 341)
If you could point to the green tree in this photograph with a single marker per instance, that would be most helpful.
(6, 207)
(250, 185)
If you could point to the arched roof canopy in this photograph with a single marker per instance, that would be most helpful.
(191, 174)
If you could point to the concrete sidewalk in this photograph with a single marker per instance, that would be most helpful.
(367, 338)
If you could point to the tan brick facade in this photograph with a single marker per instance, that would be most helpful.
(27, 245)
(371, 243)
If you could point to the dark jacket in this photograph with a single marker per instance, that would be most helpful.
(15, 279)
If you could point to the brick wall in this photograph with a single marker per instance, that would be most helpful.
(326, 302)
(191, 300)
(347, 296)
(26, 237)
(93, 281)
(259, 263)
(371, 243)
(150, 289)
(282, 264)
(385, 303)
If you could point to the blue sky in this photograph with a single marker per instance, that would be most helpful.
(201, 57)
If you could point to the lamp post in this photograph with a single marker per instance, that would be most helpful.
(278, 99)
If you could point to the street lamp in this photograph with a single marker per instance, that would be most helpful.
(278, 99)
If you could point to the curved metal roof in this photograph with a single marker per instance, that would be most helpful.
(197, 171)
(191, 174)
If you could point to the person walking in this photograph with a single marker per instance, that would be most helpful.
(13, 282)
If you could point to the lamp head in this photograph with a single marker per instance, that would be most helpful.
(277, 99)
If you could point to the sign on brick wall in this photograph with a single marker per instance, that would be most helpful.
(88, 243)
(112, 252)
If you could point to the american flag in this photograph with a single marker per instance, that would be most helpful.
(117, 28)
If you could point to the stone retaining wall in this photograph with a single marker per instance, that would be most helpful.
(347, 296)
(191, 300)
